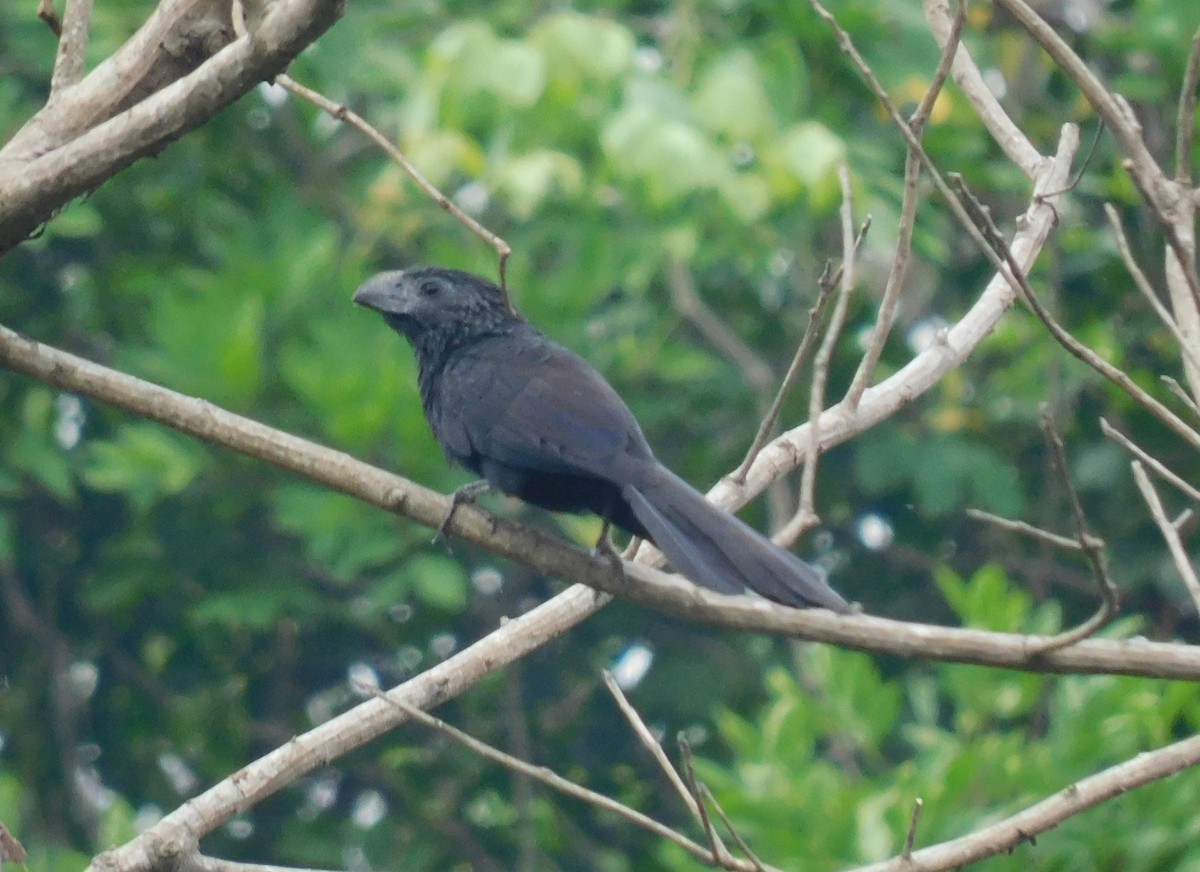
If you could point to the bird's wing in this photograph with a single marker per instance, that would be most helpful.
(530, 403)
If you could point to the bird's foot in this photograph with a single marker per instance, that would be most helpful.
(605, 551)
(468, 494)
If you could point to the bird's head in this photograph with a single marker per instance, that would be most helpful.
(429, 300)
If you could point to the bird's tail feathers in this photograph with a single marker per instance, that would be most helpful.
(717, 550)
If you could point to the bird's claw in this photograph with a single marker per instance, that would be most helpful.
(605, 551)
(468, 493)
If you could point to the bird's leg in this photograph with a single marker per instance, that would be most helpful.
(468, 493)
(604, 550)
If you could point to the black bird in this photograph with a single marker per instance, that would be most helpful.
(536, 421)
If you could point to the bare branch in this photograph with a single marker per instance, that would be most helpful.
(1177, 389)
(806, 514)
(911, 837)
(1092, 546)
(1026, 529)
(969, 79)
(196, 862)
(651, 743)
(82, 139)
(540, 774)
(72, 46)
(707, 796)
(1185, 120)
(352, 729)
(689, 772)
(1154, 463)
(1113, 111)
(889, 305)
(1143, 284)
(344, 113)
(47, 14)
(767, 426)
(1170, 533)
(930, 365)
(688, 303)
(1005, 835)
(544, 553)
(1114, 374)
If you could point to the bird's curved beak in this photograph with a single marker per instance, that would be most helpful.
(383, 293)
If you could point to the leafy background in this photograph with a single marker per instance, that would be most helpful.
(170, 611)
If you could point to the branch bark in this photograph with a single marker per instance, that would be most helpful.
(640, 583)
(174, 74)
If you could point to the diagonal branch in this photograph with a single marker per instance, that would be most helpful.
(639, 583)
(1008, 834)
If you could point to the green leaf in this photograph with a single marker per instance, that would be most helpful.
(578, 45)
(143, 461)
(438, 581)
(731, 99)
(530, 179)
(811, 152)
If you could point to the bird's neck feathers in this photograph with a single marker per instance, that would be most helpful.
(437, 348)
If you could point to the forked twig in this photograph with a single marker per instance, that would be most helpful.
(689, 771)
(806, 514)
(737, 837)
(1091, 546)
(1012, 270)
(889, 305)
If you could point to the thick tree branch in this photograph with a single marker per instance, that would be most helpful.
(548, 555)
(103, 124)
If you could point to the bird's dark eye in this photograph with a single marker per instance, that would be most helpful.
(430, 288)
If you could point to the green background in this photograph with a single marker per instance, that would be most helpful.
(170, 611)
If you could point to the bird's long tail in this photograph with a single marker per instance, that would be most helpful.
(717, 550)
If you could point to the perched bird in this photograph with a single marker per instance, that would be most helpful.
(538, 422)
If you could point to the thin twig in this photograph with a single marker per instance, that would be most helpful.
(911, 837)
(1154, 463)
(1170, 532)
(1185, 121)
(980, 216)
(889, 305)
(1026, 529)
(651, 743)
(806, 514)
(47, 13)
(344, 113)
(1184, 256)
(538, 773)
(737, 837)
(1177, 389)
(1143, 284)
(689, 771)
(689, 304)
(767, 426)
(1092, 546)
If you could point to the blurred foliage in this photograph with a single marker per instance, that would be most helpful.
(170, 612)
